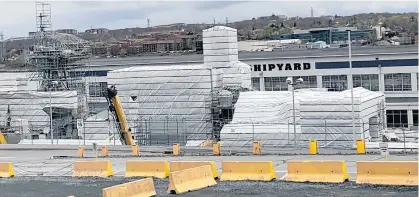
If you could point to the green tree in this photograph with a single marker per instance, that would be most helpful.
(285, 31)
(268, 31)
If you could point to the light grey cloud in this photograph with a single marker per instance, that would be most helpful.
(100, 18)
(214, 5)
(81, 15)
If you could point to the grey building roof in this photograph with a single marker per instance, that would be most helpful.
(198, 58)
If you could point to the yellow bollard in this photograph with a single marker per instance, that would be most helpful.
(256, 148)
(176, 149)
(105, 151)
(360, 146)
(135, 152)
(80, 152)
(312, 147)
(216, 149)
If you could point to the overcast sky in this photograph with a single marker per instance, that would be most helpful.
(17, 18)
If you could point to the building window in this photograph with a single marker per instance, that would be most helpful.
(98, 89)
(256, 83)
(369, 82)
(415, 118)
(308, 82)
(335, 82)
(397, 118)
(397, 82)
(276, 84)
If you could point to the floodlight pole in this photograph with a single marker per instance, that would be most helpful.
(352, 88)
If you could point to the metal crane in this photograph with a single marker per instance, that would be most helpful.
(116, 109)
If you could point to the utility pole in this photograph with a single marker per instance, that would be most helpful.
(311, 12)
(50, 118)
(1, 45)
(293, 83)
(352, 88)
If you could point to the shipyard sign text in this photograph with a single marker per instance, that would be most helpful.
(286, 66)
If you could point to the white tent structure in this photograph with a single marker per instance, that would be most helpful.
(177, 103)
(323, 116)
(166, 102)
(28, 111)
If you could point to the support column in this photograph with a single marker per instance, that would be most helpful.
(414, 80)
(410, 117)
(381, 82)
(262, 82)
(350, 82)
(319, 81)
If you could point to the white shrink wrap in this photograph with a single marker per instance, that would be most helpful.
(219, 39)
(210, 60)
(220, 46)
(237, 74)
(98, 126)
(220, 52)
(166, 97)
(34, 106)
(219, 31)
(325, 116)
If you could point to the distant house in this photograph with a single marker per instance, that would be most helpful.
(67, 31)
(282, 17)
(97, 31)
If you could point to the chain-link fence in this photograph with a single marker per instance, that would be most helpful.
(328, 135)
(154, 131)
(38, 131)
(167, 131)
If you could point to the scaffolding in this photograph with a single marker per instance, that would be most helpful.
(55, 56)
(56, 66)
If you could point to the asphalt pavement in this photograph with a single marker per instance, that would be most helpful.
(92, 187)
(60, 162)
(48, 172)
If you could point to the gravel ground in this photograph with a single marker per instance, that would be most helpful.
(92, 187)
